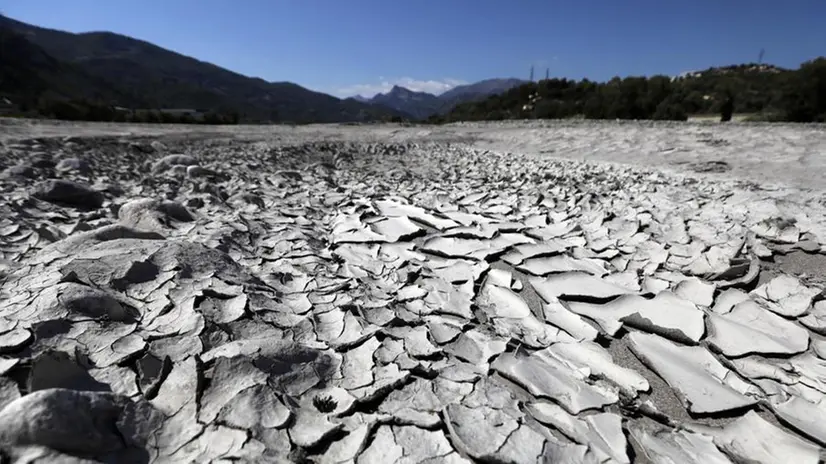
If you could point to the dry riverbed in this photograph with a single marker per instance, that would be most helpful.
(503, 292)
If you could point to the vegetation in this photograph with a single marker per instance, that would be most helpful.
(775, 93)
(85, 110)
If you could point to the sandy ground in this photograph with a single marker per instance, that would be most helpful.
(308, 230)
(787, 155)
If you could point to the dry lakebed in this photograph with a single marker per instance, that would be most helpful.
(515, 292)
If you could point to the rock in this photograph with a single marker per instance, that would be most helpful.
(395, 228)
(73, 164)
(395, 209)
(696, 291)
(748, 328)
(409, 444)
(476, 347)
(289, 174)
(311, 428)
(562, 263)
(576, 286)
(231, 376)
(490, 434)
(79, 302)
(558, 315)
(601, 432)
(257, 406)
(158, 146)
(704, 385)
(545, 377)
(70, 193)
(804, 416)
(752, 439)
(22, 170)
(816, 319)
(41, 160)
(591, 356)
(681, 321)
(170, 161)
(195, 171)
(667, 446)
(711, 166)
(506, 310)
(786, 296)
(728, 299)
(68, 421)
(140, 147)
(154, 215)
(55, 369)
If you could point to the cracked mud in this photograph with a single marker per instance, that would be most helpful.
(172, 299)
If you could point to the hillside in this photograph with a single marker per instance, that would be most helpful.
(144, 74)
(478, 90)
(763, 91)
(27, 72)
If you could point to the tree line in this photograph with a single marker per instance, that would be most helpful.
(84, 110)
(90, 110)
(761, 91)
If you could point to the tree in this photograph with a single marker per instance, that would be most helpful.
(152, 116)
(670, 110)
(548, 109)
(804, 95)
(210, 117)
(166, 118)
(727, 109)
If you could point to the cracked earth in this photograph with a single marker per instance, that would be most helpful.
(378, 295)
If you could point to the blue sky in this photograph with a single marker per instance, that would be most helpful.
(344, 47)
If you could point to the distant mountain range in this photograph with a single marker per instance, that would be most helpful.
(112, 69)
(421, 105)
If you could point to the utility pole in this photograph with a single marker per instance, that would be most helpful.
(760, 57)
(531, 79)
(547, 73)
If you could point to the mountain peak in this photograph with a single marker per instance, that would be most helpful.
(420, 105)
(397, 89)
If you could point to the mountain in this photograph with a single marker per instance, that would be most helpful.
(360, 98)
(418, 105)
(27, 72)
(479, 90)
(421, 105)
(132, 72)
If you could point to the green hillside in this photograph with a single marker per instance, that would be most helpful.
(765, 91)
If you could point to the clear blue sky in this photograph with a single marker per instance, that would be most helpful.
(362, 46)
